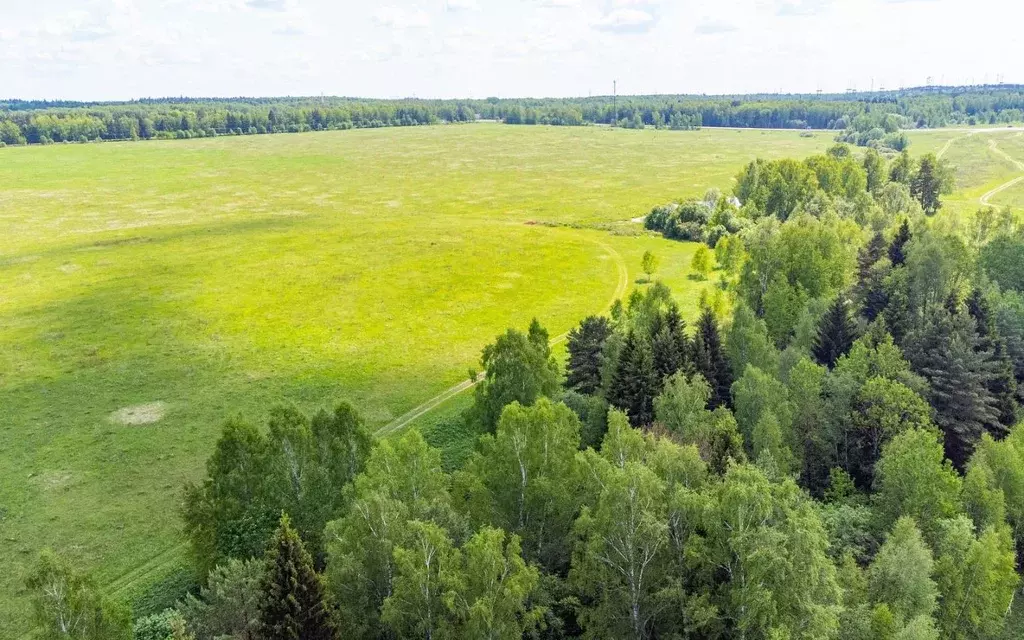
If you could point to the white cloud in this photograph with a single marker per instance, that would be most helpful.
(206, 6)
(803, 7)
(714, 27)
(291, 29)
(625, 21)
(112, 49)
(268, 5)
(399, 18)
(461, 5)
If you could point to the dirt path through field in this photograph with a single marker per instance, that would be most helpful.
(1003, 187)
(950, 142)
(416, 412)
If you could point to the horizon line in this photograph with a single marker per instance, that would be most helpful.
(808, 94)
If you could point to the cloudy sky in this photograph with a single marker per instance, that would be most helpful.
(120, 49)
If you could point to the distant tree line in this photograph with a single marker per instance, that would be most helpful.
(865, 117)
(43, 124)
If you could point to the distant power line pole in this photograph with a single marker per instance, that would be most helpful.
(615, 102)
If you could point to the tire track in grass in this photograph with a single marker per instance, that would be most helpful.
(166, 558)
(416, 412)
(949, 143)
(1003, 187)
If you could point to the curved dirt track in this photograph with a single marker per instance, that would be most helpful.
(1003, 187)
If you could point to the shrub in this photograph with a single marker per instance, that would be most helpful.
(158, 626)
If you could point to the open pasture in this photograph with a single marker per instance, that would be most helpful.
(151, 290)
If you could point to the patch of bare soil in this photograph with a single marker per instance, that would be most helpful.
(140, 414)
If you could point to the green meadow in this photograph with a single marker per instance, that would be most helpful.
(152, 290)
(985, 160)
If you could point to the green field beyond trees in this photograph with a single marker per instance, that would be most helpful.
(150, 291)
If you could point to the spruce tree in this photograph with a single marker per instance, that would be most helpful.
(876, 296)
(944, 351)
(586, 346)
(869, 254)
(635, 384)
(709, 359)
(677, 328)
(668, 358)
(984, 321)
(836, 333)
(928, 184)
(1002, 383)
(896, 249)
(1003, 387)
(293, 605)
(952, 303)
(871, 292)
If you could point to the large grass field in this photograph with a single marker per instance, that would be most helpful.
(187, 281)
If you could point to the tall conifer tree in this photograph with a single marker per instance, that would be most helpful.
(709, 359)
(896, 249)
(944, 350)
(1003, 383)
(293, 607)
(668, 358)
(836, 333)
(586, 354)
(869, 254)
(636, 383)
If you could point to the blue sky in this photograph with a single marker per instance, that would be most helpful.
(121, 49)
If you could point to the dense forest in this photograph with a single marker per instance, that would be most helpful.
(862, 114)
(832, 450)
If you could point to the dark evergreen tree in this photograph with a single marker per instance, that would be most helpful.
(635, 383)
(668, 358)
(985, 322)
(869, 254)
(876, 297)
(677, 327)
(293, 606)
(1003, 387)
(928, 184)
(674, 320)
(871, 273)
(709, 360)
(898, 313)
(586, 346)
(836, 333)
(1003, 383)
(944, 349)
(896, 249)
(952, 303)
